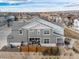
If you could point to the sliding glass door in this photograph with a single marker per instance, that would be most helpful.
(34, 41)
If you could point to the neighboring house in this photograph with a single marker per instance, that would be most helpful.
(76, 24)
(10, 20)
(57, 20)
(37, 31)
(2, 20)
(66, 21)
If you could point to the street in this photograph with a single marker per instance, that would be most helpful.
(4, 32)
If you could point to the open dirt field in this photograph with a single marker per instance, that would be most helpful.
(11, 55)
(21, 55)
(71, 33)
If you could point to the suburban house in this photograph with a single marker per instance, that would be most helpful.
(4, 19)
(36, 31)
(76, 24)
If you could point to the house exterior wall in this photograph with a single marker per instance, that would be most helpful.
(2, 20)
(52, 38)
(47, 36)
(18, 38)
(76, 24)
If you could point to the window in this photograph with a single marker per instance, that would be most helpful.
(60, 41)
(20, 31)
(31, 31)
(46, 31)
(34, 41)
(38, 32)
(46, 41)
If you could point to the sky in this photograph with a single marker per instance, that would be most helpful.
(38, 5)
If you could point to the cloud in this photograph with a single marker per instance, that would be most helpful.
(54, 5)
(14, 1)
(74, 1)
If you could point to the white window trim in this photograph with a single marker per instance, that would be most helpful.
(19, 32)
(46, 43)
(44, 30)
(57, 38)
(38, 32)
(31, 32)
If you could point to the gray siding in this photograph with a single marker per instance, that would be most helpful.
(16, 37)
(43, 36)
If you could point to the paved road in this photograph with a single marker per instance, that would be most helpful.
(4, 32)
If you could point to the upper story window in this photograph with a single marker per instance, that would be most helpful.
(31, 31)
(46, 31)
(46, 41)
(20, 31)
(38, 32)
